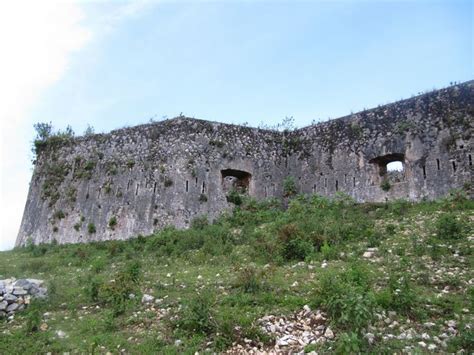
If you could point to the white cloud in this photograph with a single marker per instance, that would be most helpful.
(36, 39)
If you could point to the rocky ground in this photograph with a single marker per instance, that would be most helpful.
(400, 288)
(15, 295)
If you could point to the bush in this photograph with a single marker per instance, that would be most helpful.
(98, 265)
(199, 222)
(295, 247)
(33, 317)
(59, 214)
(197, 315)
(234, 197)
(250, 279)
(349, 343)
(112, 222)
(448, 227)
(385, 185)
(116, 293)
(399, 295)
(91, 228)
(347, 298)
(289, 186)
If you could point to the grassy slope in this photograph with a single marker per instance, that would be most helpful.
(213, 278)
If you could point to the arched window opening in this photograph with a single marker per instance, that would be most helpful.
(237, 180)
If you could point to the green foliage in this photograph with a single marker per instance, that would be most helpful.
(347, 298)
(295, 246)
(89, 131)
(448, 227)
(59, 214)
(112, 222)
(349, 343)
(385, 185)
(33, 316)
(116, 293)
(91, 228)
(46, 138)
(199, 222)
(250, 279)
(465, 340)
(197, 316)
(247, 259)
(202, 198)
(356, 129)
(399, 295)
(234, 197)
(403, 127)
(289, 186)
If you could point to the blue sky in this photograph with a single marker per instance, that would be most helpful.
(231, 61)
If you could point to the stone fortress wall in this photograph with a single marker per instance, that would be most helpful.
(136, 180)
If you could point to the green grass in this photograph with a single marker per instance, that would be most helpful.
(214, 281)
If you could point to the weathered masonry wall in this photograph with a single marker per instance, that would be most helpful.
(136, 180)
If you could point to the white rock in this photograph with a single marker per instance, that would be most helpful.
(147, 298)
(432, 347)
(329, 333)
(422, 344)
(60, 334)
(451, 323)
(370, 337)
(367, 254)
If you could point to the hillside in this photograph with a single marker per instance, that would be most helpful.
(322, 275)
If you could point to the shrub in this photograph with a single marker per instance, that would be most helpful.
(199, 222)
(385, 185)
(234, 197)
(399, 295)
(92, 288)
(349, 343)
(250, 279)
(59, 214)
(98, 265)
(202, 198)
(168, 182)
(112, 222)
(390, 229)
(448, 227)
(347, 298)
(197, 315)
(116, 293)
(33, 317)
(91, 228)
(289, 186)
(295, 247)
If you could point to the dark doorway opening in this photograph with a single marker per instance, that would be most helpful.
(237, 180)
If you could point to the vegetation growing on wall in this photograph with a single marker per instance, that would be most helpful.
(289, 186)
(46, 138)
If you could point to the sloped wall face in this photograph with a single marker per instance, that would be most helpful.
(137, 180)
(431, 136)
